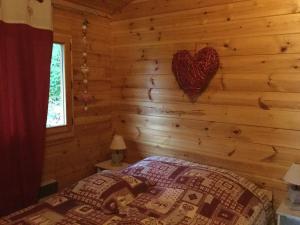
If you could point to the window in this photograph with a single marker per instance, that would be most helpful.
(60, 112)
(57, 96)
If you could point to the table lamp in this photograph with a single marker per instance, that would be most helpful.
(292, 177)
(117, 147)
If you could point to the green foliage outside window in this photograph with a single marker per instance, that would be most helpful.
(56, 74)
(56, 105)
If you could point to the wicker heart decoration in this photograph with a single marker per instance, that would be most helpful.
(193, 73)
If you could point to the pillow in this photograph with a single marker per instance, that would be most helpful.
(156, 171)
(107, 190)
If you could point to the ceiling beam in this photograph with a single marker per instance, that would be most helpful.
(63, 4)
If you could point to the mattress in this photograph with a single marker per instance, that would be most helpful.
(154, 191)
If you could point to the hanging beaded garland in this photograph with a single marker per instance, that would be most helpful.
(85, 97)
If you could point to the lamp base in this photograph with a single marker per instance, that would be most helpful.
(117, 157)
(293, 206)
(294, 194)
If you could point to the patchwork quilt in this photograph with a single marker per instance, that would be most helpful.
(154, 191)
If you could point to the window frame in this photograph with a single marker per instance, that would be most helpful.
(54, 134)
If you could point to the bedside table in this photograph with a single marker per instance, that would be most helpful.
(106, 165)
(287, 216)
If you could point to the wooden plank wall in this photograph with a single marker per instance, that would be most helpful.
(248, 120)
(69, 160)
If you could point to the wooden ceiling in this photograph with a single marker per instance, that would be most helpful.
(109, 6)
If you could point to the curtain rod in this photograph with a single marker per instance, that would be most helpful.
(63, 4)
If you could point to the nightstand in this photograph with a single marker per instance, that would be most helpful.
(106, 165)
(287, 216)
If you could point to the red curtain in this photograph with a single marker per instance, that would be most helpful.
(25, 55)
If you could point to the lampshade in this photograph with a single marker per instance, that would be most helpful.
(118, 143)
(293, 175)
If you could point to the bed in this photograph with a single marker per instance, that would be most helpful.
(154, 191)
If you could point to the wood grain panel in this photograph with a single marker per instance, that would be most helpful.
(252, 134)
(248, 118)
(262, 100)
(255, 45)
(247, 115)
(103, 5)
(68, 160)
(154, 7)
(272, 82)
(216, 12)
(281, 24)
(279, 63)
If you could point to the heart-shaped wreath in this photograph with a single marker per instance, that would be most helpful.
(193, 73)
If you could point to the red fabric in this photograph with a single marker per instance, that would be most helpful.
(25, 56)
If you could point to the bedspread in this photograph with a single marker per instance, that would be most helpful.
(178, 192)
